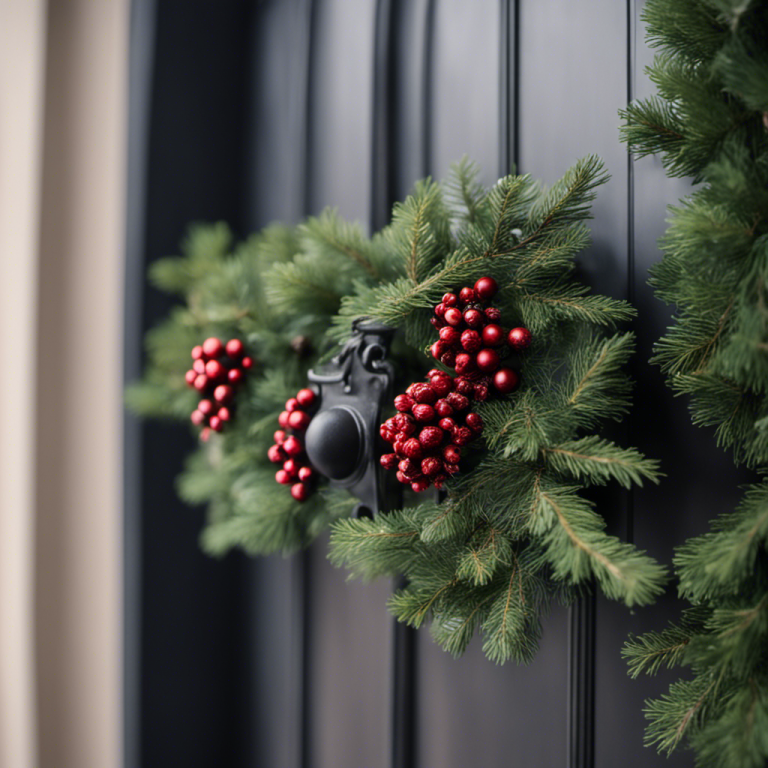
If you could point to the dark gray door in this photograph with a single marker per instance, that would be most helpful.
(346, 103)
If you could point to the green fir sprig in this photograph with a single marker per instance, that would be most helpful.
(709, 120)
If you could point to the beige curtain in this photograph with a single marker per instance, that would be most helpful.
(63, 71)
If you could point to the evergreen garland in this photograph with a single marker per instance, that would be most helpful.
(709, 121)
(514, 530)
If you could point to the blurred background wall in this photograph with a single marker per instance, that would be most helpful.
(63, 107)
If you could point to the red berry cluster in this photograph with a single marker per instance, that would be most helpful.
(289, 448)
(471, 339)
(433, 422)
(215, 373)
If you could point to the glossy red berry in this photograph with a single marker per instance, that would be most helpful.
(519, 339)
(282, 419)
(448, 358)
(465, 363)
(475, 422)
(493, 314)
(506, 380)
(299, 420)
(420, 484)
(467, 296)
(463, 386)
(452, 454)
(292, 446)
(473, 318)
(441, 384)
(453, 316)
(440, 310)
(459, 402)
(197, 352)
(197, 418)
(291, 466)
(214, 369)
(389, 460)
(449, 334)
(450, 300)
(201, 382)
(246, 363)
(291, 404)
(305, 473)
(493, 335)
(461, 435)
(306, 397)
(404, 403)
(235, 348)
(276, 454)
(234, 375)
(410, 468)
(224, 414)
(423, 393)
(216, 423)
(213, 347)
(412, 448)
(401, 477)
(471, 340)
(423, 412)
(206, 406)
(223, 393)
(443, 408)
(431, 437)
(405, 424)
(299, 491)
(447, 424)
(437, 349)
(486, 288)
(487, 360)
(190, 377)
(480, 393)
(198, 366)
(431, 466)
(279, 436)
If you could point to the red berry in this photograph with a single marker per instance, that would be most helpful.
(201, 382)
(420, 484)
(276, 454)
(404, 403)
(299, 491)
(282, 419)
(234, 348)
(197, 352)
(461, 435)
(493, 314)
(486, 288)
(216, 423)
(223, 393)
(437, 322)
(299, 420)
(423, 412)
(279, 436)
(493, 335)
(464, 386)
(438, 481)
(449, 334)
(451, 469)
(402, 478)
(481, 393)
(198, 366)
(306, 397)
(305, 473)
(291, 466)
(506, 380)
(410, 468)
(246, 363)
(206, 406)
(412, 448)
(447, 424)
(397, 446)
(205, 433)
(292, 446)
(291, 404)
(197, 418)
(431, 437)
(473, 318)
(459, 402)
(391, 423)
(436, 372)
(213, 347)
(234, 375)
(388, 435)
(224, 414)
(442, 385)
(471, 340)
(214, 369)
(389, 460)
(440, 310)
(451, 454)
(190, 377)
(519, 339)
(423, 393)
(453, 316)
(487, 360)
(464, 363)
(437, 349)
(405, 424)
(475, 422)
(467, 296)
(443, 408)
(450, 300)
(431, 465)
(448, 358)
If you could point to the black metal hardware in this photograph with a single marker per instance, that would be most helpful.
(341, 439)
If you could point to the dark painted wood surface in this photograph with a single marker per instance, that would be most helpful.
(535, 83)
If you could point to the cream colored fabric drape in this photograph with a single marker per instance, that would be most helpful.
(62, 115)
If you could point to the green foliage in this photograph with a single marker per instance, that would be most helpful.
(708, 121)
(515, 532)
